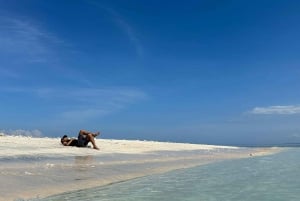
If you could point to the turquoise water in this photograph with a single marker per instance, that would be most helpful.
(274, 177)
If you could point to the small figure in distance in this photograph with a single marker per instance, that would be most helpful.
(84, 137)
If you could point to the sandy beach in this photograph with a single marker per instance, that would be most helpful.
(39, 167)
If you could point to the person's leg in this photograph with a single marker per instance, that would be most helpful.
(84, 132)
(91, 138)
(81, 140)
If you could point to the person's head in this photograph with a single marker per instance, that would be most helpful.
(64, 139)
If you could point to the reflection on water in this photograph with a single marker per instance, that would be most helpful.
(83, 166)
(82, 162)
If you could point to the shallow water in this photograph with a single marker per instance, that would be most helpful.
(274, 177)
(39, 167)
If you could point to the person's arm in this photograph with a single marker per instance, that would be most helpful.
(68, 142)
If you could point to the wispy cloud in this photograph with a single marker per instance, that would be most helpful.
(82, 103)
(128, 30)
(88, 103)
(85, 113)
(120, 21)
(295, 135)
(8, 73)
(25, 40)
(284, 110)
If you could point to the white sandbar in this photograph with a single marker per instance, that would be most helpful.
(39, 167)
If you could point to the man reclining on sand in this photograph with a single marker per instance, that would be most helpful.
(84, 137)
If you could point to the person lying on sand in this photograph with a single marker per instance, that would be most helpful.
(84, 137)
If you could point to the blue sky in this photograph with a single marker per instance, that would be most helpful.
(207, 71)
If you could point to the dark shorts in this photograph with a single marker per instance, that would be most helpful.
(82, 141)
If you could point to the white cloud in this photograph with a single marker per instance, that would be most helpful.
(21, 132)
(287, 110)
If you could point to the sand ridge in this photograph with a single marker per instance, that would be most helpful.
(20, 145)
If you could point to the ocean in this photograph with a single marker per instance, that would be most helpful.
(269, 178)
